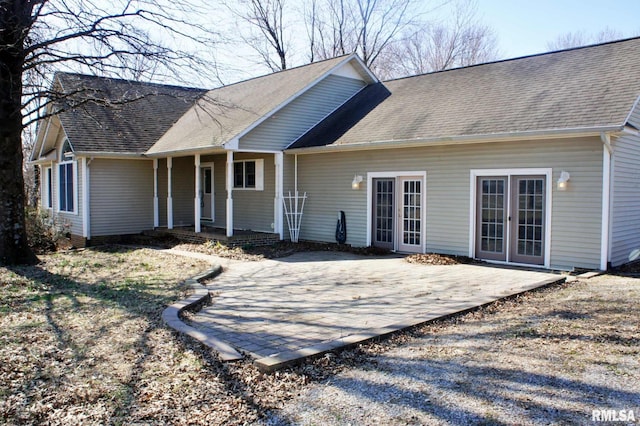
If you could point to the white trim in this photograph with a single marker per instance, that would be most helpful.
(259, 174)
(42, 141)
(258, 151)
(86, 205)
(473, 177)
(74, 171)
(210, 165)
(606, 206)
(197, 209)
(278, 214)
(635, 105)
(423, 211)
(156, 205)
(169, 194)
(229, 184)
(461, 139)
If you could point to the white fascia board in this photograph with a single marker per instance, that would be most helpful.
(363, 67)
(205, 150)
(633, 108)
(293, 97)
(461, 140)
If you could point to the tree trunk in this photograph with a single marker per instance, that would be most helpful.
(14, 25)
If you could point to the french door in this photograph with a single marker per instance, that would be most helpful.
(397, 213)
(510, 218)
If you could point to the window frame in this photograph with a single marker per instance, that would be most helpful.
(258, 175)
(67, 160)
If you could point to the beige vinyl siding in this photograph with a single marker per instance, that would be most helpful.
(625, 201)
(162, 192)
(219, 188)
(254, 209)
(288, 186)
(183, 190)
(576, 213)
(292, 121)
(121, 196)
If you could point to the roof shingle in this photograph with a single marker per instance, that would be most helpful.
(119, 116)
(579, 88)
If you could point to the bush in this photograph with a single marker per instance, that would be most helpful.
(42, 231)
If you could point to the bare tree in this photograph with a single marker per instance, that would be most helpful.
(338, 27)
(460, 42)
(581, 38)
(266, 30)
(38, 36)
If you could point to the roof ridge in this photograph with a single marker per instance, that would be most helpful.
(129, 81)
(517, 58)
(282, 71)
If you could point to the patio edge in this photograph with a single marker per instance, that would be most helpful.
(171, 315)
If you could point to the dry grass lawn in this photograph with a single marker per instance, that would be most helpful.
(82, 342)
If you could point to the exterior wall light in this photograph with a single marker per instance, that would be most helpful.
(355, 184)
(562, 182)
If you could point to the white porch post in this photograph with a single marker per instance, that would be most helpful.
(169, 194)
(156, 207)
(197, 200)
(277, 202)
(229, 193)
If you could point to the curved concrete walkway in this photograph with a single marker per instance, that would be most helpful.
(279, 311)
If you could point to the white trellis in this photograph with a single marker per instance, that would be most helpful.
(293, 208)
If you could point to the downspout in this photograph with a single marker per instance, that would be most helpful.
(607, 152)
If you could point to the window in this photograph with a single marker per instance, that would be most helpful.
(66, 179)
(248, 174)
(47, 188)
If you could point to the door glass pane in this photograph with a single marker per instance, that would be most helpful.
(207, 181)
(384, 211)
(412, 212)
(530, 214)
(492, 215)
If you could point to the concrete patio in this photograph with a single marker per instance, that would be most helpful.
(278, 311)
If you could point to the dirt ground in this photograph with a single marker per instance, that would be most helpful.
(82, 342)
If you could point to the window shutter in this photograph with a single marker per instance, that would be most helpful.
(260, 175)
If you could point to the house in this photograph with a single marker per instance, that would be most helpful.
(529, 161)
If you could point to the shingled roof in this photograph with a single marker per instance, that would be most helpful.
(119, 116)
(224, 113)
(582, 88)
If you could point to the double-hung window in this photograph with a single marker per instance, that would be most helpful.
(248, 174)
(66, 179)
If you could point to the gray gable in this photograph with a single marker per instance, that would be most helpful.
(579, 88)
(226, 112)
(119, 116)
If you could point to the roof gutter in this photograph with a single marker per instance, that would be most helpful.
(466, 139)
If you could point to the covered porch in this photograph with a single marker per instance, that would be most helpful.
(220, 193)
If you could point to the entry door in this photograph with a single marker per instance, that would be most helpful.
(384, 203)
(510, 216)
(527, 227)
(397, 214)
(206, 193)
(410, 215)
(491, 220)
